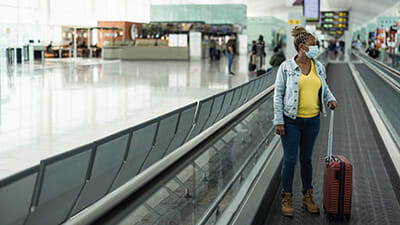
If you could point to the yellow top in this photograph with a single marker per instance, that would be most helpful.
(309, 86)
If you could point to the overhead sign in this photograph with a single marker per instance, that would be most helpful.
(334, 22)
(311, 10)
(385, 21)
(293, 22)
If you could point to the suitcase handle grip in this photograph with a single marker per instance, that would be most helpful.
(330, 136)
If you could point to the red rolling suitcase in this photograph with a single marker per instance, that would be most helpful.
(337, 182)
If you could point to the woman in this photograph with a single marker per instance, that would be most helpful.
(300, 93)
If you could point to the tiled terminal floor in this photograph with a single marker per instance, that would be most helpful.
(53, 107)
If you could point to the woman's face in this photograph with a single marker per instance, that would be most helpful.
(311, 40)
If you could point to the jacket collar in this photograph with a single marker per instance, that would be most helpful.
(293, 64)
(296, 67)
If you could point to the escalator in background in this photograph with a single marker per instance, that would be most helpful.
(392, 72)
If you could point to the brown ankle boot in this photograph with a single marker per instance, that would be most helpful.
(308, 202)
(287, 209)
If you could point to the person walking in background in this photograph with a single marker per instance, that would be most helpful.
(49, 46)
(213, 49)
(260, 54)
(357, 45)
(342, 46)
(252, 61)
(372, 51)
(332, 48)
(300, 94)
(253, 47)
(230, 52)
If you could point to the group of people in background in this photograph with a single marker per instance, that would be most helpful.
(335, 49)
(229, 50)
(258, 54)
(371, 50)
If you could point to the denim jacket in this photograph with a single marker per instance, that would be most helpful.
(286, 94)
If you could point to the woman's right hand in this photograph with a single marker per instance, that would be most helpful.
(280, 129)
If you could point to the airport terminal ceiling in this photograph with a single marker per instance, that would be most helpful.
(362, 11)
(63, 12)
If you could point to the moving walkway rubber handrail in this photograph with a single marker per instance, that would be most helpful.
(376, 106)
(389, 80)
(388, 68)
(385, 130)
(109, 209)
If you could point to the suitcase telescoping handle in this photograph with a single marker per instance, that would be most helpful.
(329, 156)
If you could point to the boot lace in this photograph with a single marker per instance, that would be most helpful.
(287, 201)
(308, 197)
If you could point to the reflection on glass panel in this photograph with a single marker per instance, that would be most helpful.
(170, 205)
(205, 189)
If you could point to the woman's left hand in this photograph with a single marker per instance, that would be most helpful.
(332, 105)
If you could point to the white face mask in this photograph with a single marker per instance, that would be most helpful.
(313, 51)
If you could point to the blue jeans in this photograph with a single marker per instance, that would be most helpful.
(213, 52)
(230, 60)
(300, 134)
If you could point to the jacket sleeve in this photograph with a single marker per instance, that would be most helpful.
(328, 96)
(279, 93)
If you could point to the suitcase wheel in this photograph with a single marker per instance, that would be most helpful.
(329, 215)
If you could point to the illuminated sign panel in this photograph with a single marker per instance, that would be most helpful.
(334, 22)
(311, 10)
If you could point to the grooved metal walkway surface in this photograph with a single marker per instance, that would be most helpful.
(355, 136)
